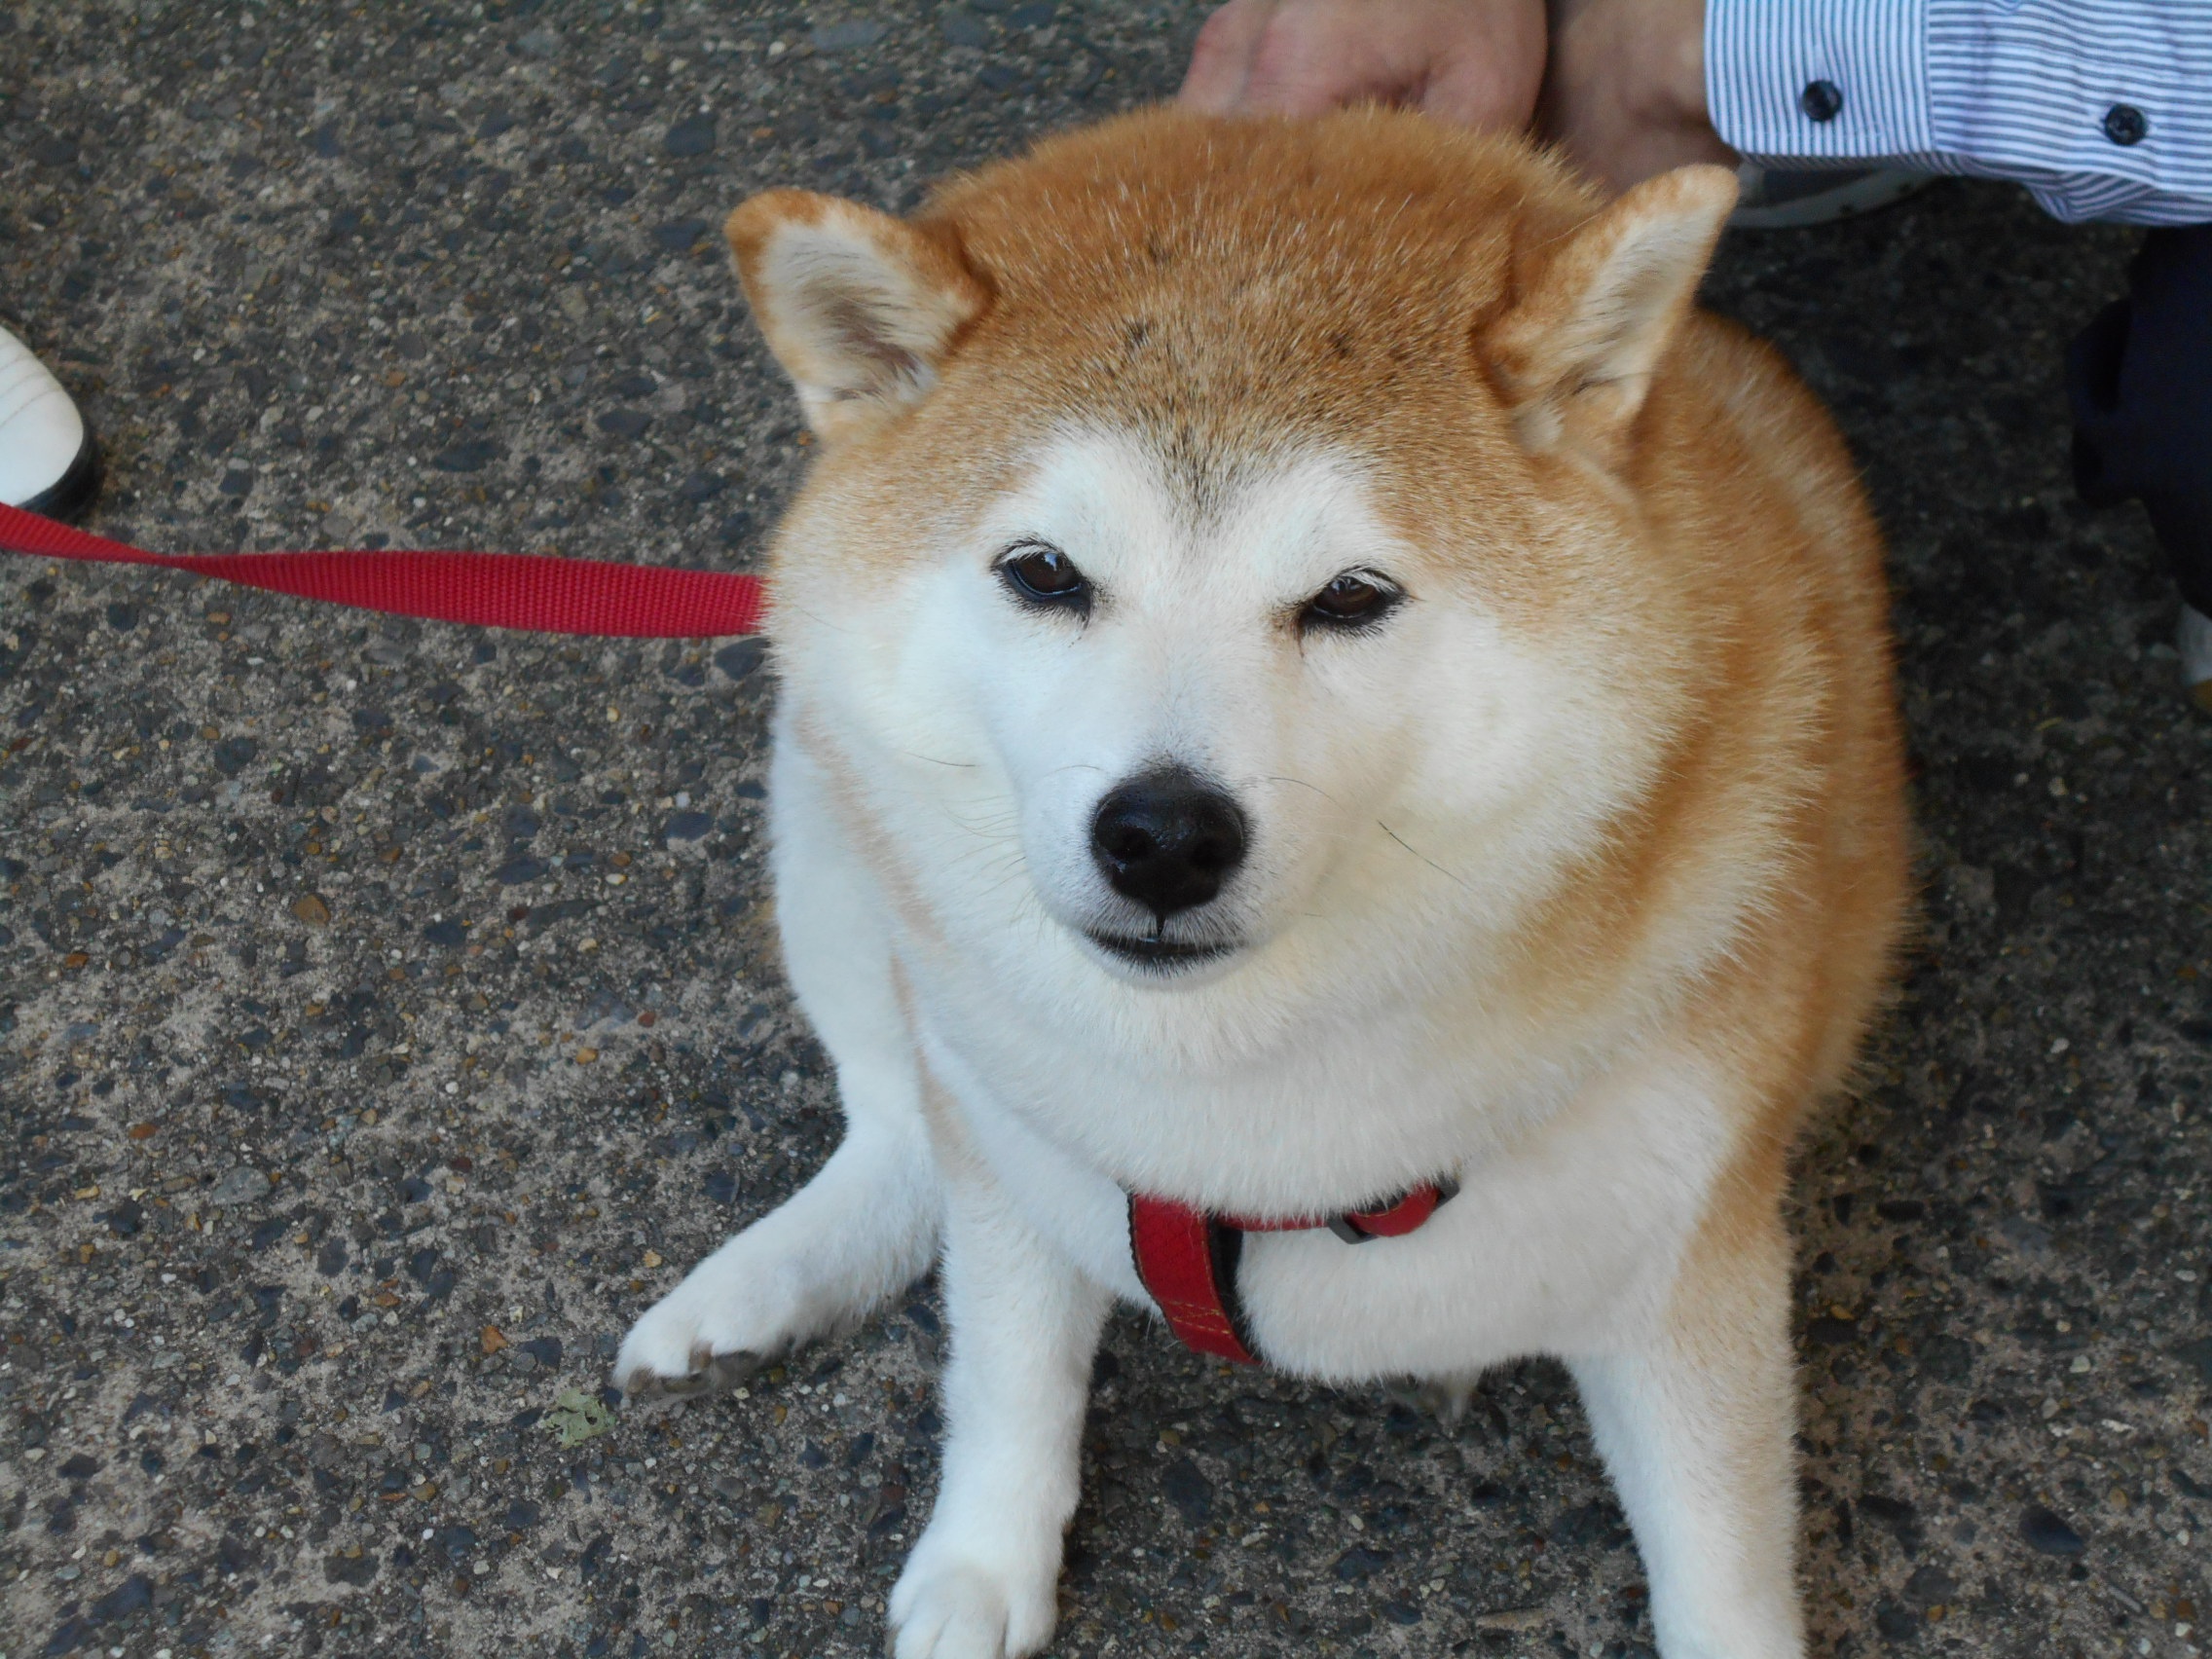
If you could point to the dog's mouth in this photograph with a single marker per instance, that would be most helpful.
(1159, 955)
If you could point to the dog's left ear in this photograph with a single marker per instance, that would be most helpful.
(1574, 356)
(860, 308)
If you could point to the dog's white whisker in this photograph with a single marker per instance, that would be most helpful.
(997, 827)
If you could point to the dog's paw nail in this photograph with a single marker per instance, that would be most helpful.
(727, 1369)
(709, 1373)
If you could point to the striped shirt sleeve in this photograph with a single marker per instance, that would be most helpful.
(2101, 108)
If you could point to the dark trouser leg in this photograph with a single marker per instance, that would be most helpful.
(2140, 382)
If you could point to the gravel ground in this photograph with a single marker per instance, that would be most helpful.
(387, 1012)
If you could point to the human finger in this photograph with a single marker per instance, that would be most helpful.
(1318, 55)
(1220, 62)
(1491, 74)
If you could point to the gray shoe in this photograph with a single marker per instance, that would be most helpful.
(1775, 199)
(2195, 643)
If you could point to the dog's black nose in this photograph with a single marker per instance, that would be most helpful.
(1168, 839)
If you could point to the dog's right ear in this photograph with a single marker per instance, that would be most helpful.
(860, 308)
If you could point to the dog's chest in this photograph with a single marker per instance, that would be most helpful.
(1550, 1238)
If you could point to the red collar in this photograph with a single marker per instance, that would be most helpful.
(1187, 1258)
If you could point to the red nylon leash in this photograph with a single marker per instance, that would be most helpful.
(484, 590)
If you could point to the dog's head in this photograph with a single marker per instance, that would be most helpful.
(1225, 548)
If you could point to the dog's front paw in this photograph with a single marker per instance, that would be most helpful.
(704, 1336)
(954, 1604)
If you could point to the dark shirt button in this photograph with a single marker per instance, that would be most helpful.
(2125, 124)
(1822, 100)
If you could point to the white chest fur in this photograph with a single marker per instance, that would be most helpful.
(1561, 1234)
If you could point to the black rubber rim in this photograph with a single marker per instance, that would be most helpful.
(73, 491)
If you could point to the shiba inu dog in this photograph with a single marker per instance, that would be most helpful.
(1336, 776)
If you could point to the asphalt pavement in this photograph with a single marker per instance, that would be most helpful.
(389, 1012)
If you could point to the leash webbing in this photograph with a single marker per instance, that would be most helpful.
(484, 590)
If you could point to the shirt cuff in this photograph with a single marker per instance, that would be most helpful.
(2099, 89)
(1808, 81)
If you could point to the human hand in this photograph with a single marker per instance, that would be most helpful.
(1474, 62)
(1623, 89)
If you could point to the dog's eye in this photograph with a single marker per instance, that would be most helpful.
(1044, 575)
(1355, 600)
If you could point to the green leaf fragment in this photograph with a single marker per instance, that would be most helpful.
(577, 1418)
